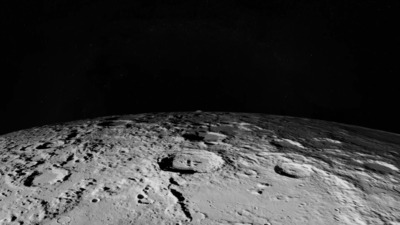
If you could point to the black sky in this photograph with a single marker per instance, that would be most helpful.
(332, 60)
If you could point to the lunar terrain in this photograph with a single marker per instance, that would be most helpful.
(199, 168)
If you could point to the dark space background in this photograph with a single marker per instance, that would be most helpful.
(66, 60)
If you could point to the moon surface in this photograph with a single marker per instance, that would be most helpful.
(200, 168)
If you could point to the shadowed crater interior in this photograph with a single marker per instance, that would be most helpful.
(192, 137)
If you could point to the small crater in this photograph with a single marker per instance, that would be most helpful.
(63, 220)
(29, 180)
(263, 185)
(146, 189)
(106, 188)
(45, 145)
(72, 135)
(302, 204)
(5, 194)
(144, 200)
(280, 197)
(250, 172)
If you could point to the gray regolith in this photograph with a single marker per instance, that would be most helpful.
(199, 168)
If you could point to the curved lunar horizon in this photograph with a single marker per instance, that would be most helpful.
(199, 168)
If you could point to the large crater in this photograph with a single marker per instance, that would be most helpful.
(191, 161)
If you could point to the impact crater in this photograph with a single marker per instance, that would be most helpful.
(191, 161)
